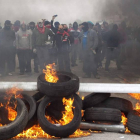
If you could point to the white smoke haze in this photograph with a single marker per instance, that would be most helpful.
(68, 11)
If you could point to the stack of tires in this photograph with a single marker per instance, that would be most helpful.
(26, 108)
(52, 94)
(101, 107)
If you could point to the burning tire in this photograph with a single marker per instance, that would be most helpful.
(117, 103)
(94, 98)
(55, 130)
(55, 109)
(134, 121)
(102, 114)
(17, 126)
(37, 96)
(67, 84)
(29, 100)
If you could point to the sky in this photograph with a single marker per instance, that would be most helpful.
(68, 11)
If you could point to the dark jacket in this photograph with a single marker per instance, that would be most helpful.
(39, 39)
(53, 28)
(63, 41)
(114, 38)
(7, 38)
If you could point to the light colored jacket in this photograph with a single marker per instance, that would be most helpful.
(23, 39)
(92, 39)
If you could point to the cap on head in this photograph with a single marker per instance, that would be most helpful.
(90, 23)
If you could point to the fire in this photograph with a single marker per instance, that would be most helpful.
(135, 95)
(12, 114)
(137, 106)
(50, 73)
(124, 119)
(82, 112)
(83, 97)
(36, 131)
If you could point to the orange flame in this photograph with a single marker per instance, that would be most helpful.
(50, 73)
(36, 131)
(137, 97)
(12, 114)
(124, 119)
(83, 97)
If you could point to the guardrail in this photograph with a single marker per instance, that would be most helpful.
(84, 87)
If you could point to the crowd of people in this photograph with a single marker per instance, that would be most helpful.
(51, 42)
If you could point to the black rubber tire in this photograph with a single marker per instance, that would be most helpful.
(58, 131)
(117, 103)
(79, 100)
(55, 109)
(32, 104)
(102, 114)
(133, 122)
(69, 84)
(33, 121)
(94, 98)
(37, 96)
(17, 126)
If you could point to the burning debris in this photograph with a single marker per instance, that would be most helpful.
(73, 108)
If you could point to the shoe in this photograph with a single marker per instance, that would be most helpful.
(10, 74)
(21, 73)
(87, 76)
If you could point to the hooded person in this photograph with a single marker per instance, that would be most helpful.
(90, 24)
(47, 24)
(75, 32)
(7, 38)
(63, 43)
(24, 48)
(31, 28)
(16, 25)
(113, 49)
(41, 43)
(56, 25)
(31, 25)
(89, 42)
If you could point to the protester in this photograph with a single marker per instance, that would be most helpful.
(41, 43)
(63, 43)
(75, 32)
(113, 49)
(31, 28)
(24, 49)
(89, 43)
(104, 32)
(98, 50)
(47, 24)
(54, 28)
(7, 38)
